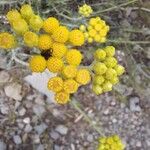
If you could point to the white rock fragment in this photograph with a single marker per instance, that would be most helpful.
(4, 77)
(36, 139)
(40, 128)
(106, 112)
(26, 120)
(4, 109)
(13, 90)
(134, 104)
(28, 128)
(38, 110)
(39, 100)
(62, 129)
(17, 139)
(139, 144)
(54, 135)
(22, 112)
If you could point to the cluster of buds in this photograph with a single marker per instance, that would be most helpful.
(96, 30)
(106, 69)
(111, 143)
(85, 10)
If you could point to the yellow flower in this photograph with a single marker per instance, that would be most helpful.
(61, 34)
(55, 84)
(85, 10)
(69, 71)
(97, 89)
(119, 69)
(45, 42)
(37, 63)
(110, 62)
(59, 50)
(31, 39)
(36, 23)
(114, 80)
(20, 26)
(50, 25)
(62, 97)
(98, 79)
(83, 76)
(26, 11)
(76, 37)
(110, 73)
(100, 54)
(54, 64)
(99, 68)
(13, 15)
(110, 51)
(82, 28)
(107, 86)
(92, 32)
(97, 38)
(93, 21)
(70, 86)
(90, 40)
(73, 57)
(7, 40)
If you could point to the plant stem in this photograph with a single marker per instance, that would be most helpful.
(128, 42)
(115, 7)
(20, 62)
(88, 119)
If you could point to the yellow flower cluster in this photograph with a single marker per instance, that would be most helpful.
(106, 70)
(96, 30)
(111, 143)
(85, 10)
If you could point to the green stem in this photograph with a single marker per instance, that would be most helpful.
(74, 103)
(128, 42)
(115, 7)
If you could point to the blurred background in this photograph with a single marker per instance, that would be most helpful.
(28, 119)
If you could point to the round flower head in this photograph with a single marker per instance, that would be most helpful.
(31, 39)
(111, 143)
(20, 26)
(73, 57)
(85, 10)
(82, 28)
(69, 71)
(114, 80)
(59, 50)
(110, 51)
(83, 76)
(62, 97)
(54, 64)
(55, 84)
(70, 86)
(110, 62)
(100, 54)
(76, 37)
(36, 23)
(119, 69)
(26, 11)
(13, 15)
(107, 86)
(97, 38)
(50, 25)
(92, 33)
(97, 89)
(61, 34)
(7, 40)
(99, 68)
(98, 79)
(93, 21)
(37, 63)
(110, 73)
(45, 42)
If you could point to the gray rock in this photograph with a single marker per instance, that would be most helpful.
(26, 120)
(38, 110)
(57, 147)
(54, 135)
(17, 139)
(134, 104)
(2, 145)
(40, 147)
(22, 112)
(28, 128)
(39, 100)
(90, 138)
(4, 109)
(62, 129)
(36, 139)
(40, 128)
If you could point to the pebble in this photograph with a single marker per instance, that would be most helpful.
(57, 147)
(36, 139)
(17, 139)
(22, 112)
(4, 109)
(106, 112)
(38, 110)
(26, 120)
(63, 130)
(28, 128)
(2, 145)
(54, 135)
(39, 100)
(40, 128)
(90, 138)
(40, 147)
(134, 104)
(139, 144)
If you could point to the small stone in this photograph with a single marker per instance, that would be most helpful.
(114, 120)
(139, 144)
(40, 128)
(28, 128)
(62, 129)
(2, 145)
(134, 104)
(54, 135)
(106, 112)
(36, 139)
(40, 147)
(113, 103)
(38, 110)
(22, 112)
(26, 120)
(57, 147)
(20, 125)
(17, 139)
(90, 138)
(39, 100)
(4, 109)
(4, 77)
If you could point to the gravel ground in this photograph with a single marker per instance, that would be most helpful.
(29, 121)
